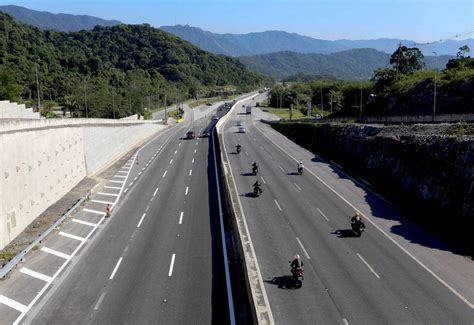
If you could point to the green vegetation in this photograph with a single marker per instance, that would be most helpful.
(406, 88)
(284, 113)
(345, 65)
(120, 69)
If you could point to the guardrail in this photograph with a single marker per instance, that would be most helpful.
(19, 257)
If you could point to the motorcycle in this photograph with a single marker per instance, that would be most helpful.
(297, 276)
(255, 169)
(257, 191)
(358, 227)
(239, 148)
(300, 170)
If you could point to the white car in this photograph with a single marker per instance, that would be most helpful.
(241, 129)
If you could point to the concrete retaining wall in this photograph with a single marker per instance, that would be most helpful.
(104, 143)
(39, 166)
(14, 110)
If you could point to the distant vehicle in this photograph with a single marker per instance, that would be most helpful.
(239, 123)
(208, 104)
(241, 129)
(248, 110)
(190, 135)
(205, 134)
(257, 104)
(215, 117)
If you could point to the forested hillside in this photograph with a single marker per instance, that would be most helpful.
(119, 66)
(345, 65)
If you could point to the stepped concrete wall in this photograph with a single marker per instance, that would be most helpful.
(14, 110)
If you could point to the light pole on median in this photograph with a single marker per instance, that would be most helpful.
(434, 91)
(37, 86)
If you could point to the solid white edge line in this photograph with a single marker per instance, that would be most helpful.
(170, 272)
(181, 217)
(55, 252)
(156, 191)
(36, 275)
(370, 267)
(276, 202)
(187, 189)
(304, 249)
(84, 222)
(281, 168)
(377, 227)
(230, 299)
(321, 212)
(65, 234)
(115, 268)
(141, 220)
(13, 304)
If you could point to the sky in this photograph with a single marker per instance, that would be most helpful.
(418, 20)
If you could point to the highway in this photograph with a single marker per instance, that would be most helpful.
(158, 259)
(366, 280)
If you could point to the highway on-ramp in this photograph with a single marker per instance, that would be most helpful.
(366, 280)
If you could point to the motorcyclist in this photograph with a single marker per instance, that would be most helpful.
(238, 147)
(357, 220)
(297, 263)
(300, 166)
(254, 164)
(257, 185)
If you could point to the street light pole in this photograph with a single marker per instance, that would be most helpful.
(37, 85)
(434, 92)
(85, 98)
(360, 109)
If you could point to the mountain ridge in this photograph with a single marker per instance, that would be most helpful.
(61, 22)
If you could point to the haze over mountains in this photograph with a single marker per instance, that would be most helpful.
(275, 41)
(61, 22)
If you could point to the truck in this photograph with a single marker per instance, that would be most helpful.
(248, 110)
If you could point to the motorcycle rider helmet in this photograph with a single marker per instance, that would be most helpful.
(297, 257)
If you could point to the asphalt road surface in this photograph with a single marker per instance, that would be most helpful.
(366, 280)
(158, 259)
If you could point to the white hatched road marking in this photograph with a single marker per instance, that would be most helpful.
(13, 304)
(123, 171)
(367, 264)
(94, 211)
(104, 202)
(120, 176)
(119, 182)
(321, 212)
(35, 274)
(304, 249)
(115, 268)
(84, 222)
(55, 252)
(108, 194)
(170, 272)
(113, 187)
(65, 234)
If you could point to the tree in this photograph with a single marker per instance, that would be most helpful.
(383, 78)
(407, 60)
(462, 51)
